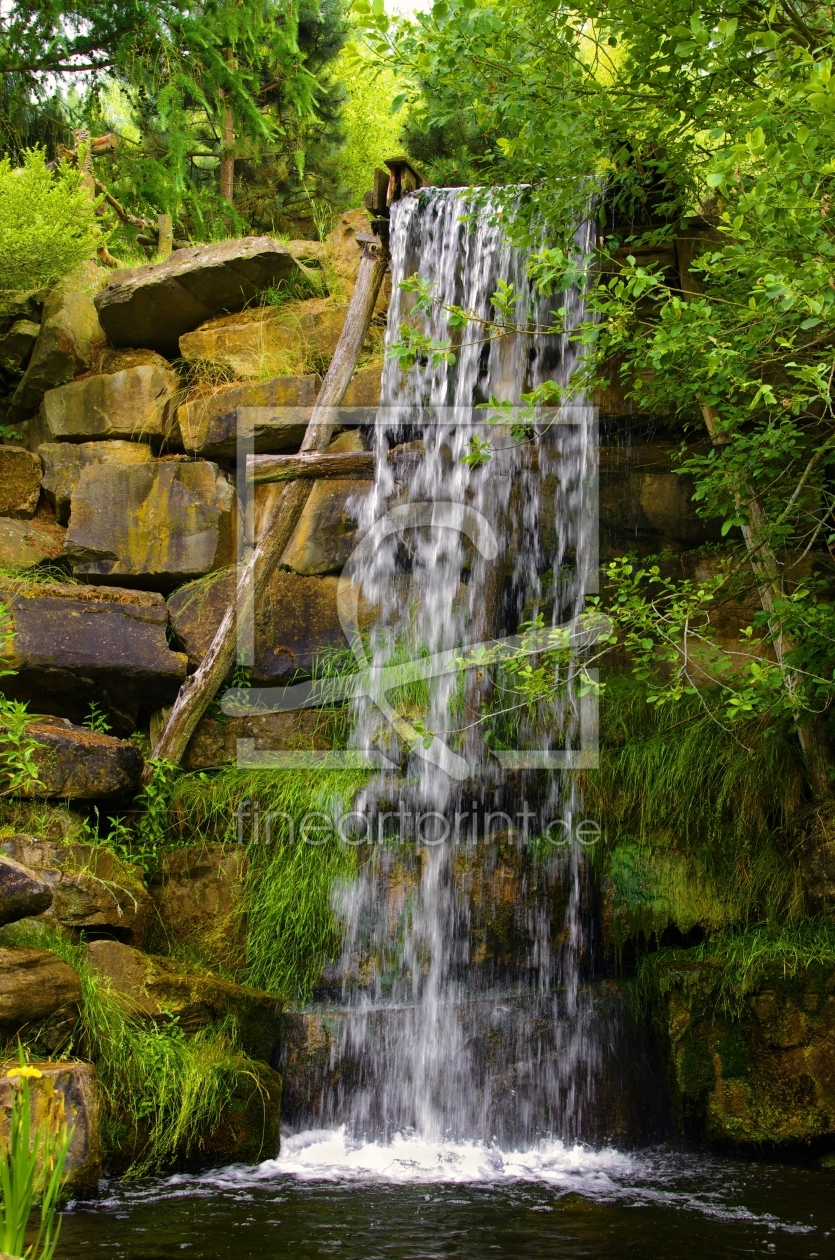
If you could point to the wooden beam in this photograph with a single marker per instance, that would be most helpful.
(267, 469)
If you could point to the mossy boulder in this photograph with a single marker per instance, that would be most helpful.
(752, 1071)
(197, 898)
(153, 306)
(159, 989)
(75, 763)
(63, 1091)
(20, 482)
(22, 893)
(24, 544)
(157, 523)
(268, 341)
(216, 743)
(39, 997)
(92, 889)
(70, 334)
(296, 622)
(210, 424)
(64, 462)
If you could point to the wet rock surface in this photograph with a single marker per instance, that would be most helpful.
(153, 306)
(328, 531)
(157, 523)
(79, 764)
(70, 1091)
(758, 1070)
(22, 893)
(75, 645)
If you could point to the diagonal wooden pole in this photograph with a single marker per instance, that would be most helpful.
(197, 691)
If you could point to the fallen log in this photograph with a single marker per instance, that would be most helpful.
(198, 691)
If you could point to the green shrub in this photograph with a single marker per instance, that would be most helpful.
(47, 223)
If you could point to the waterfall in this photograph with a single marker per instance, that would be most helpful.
(441, 1031)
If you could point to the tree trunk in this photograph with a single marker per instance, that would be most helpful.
(196, 692)
(227, 160)
(817, 753)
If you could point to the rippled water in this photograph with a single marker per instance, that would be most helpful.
(328, 1196)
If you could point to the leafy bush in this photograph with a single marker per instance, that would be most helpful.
(47, 223)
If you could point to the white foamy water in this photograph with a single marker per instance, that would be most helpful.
(331, 1154)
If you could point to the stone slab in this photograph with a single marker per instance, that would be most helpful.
(209, 426)
(35, 986)
(70, 333)
(153, 306)
(63, 463)
(27, 543)
(75, 645)
(156, 524)
(79, 764)
(136, 403)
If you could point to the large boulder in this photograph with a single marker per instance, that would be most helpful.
(197, 898)
(20, 482)
(38, 993)
(27, 543)
(93, 891)
(22, 893)
(296, 622)
(75, 763)
(160, 989)
(156, 523)
(267, 341)
(210, 425)
(342, 256)
(75, 645)
(17, 344)
(153, 306)
(135, 403)
(63, 463)
(70, 333)
(66, 1091)
(328, 532)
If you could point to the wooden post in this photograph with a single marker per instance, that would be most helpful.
(165, 228)
(197, 692)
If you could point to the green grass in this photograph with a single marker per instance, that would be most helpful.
(162, 1091)
(735, 963)
(291, 931)
(693, 811)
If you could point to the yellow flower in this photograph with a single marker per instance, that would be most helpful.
(27, 1073)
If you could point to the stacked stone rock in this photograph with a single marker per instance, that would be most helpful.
(113, 471)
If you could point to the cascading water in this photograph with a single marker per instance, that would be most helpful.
(441, 1034)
